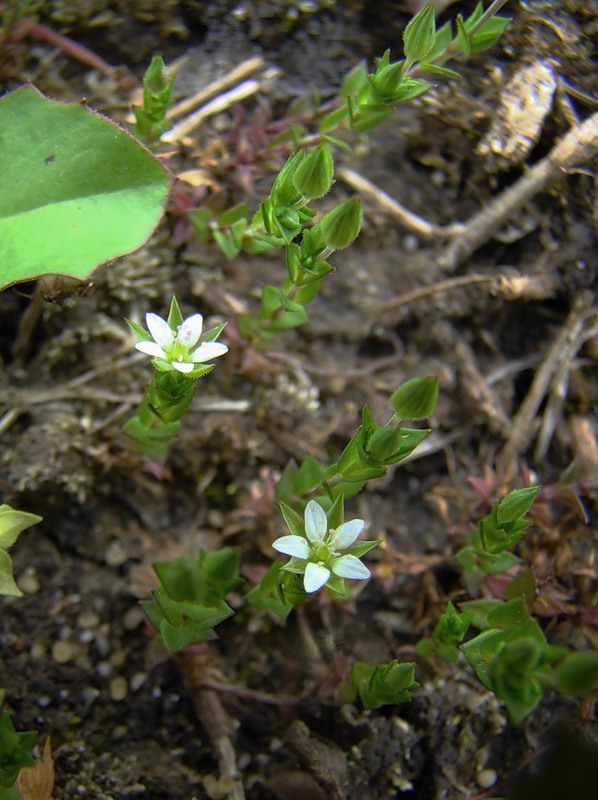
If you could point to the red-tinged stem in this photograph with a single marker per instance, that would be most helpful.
(29, 27)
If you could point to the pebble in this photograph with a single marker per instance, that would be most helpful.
(137, 681)
(486, 778)
(117, 658)
(29, 583)
(64, 651)
(118, 688)
(115, 554)
(133, 618)
(88, 619)
(38, 651)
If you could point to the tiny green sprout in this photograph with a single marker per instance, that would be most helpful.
(12, 524)
(150, 118)
(323, 554)
(383, 684)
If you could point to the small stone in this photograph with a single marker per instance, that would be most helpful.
(64, 651)
(137, 681)
(38, 651)
(115, 554)
(486, 778)
(118, 688)
(133, 618)
(104, 668)
(88, 619)
(28, 582)
(117, 658)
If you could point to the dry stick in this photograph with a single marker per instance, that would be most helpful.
(562, 350)
(210, 91)
(575, 148)
(558, 395)
(474, 382)
(436, 288)
(218, 104)
(215, 88)
(407, 219)
(215, 721)
(68, 46)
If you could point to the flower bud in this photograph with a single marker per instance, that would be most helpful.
(341, 226)
(314, 175)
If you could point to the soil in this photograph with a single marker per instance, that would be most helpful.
(77, 660)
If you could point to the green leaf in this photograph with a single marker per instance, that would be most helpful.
(577, 674)
(384, 443)
(12, 524)
(411, 88)
(234, 214)
(76, 189)
(354, 80)
(516, 504)
(416, 398)
(486, 37)
(419, 36)
(443, 72)
(369, 116)
(512, 674)
(383, 684)
(309, 475)
(452, 626)
(462, 41)
(8, 584)
(522, 585)
(15, 750)
(442, 40)
(511, 612)
(336, 512)
(226, 243)
(294, 522)
(268, 595)
(332, 120)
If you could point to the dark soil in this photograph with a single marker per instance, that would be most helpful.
(76, 655)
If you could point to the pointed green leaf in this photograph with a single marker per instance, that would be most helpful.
(516, 504)
(420, 35)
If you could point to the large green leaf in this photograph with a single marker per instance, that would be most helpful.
(75, 189)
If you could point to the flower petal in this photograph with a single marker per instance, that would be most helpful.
(159, 329)
(346, 534)
(207, 351)
(316, 522)
(350, 567)
(150, 349)
(183, 366)
(190, 331)
(292, 546)
(315, 577)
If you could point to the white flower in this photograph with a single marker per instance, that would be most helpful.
(178, 348)
(318, 555)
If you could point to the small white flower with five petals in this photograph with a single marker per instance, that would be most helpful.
(318, 556)
(178, 349)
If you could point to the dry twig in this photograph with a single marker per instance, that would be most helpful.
(576, 148)
(559, 356)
